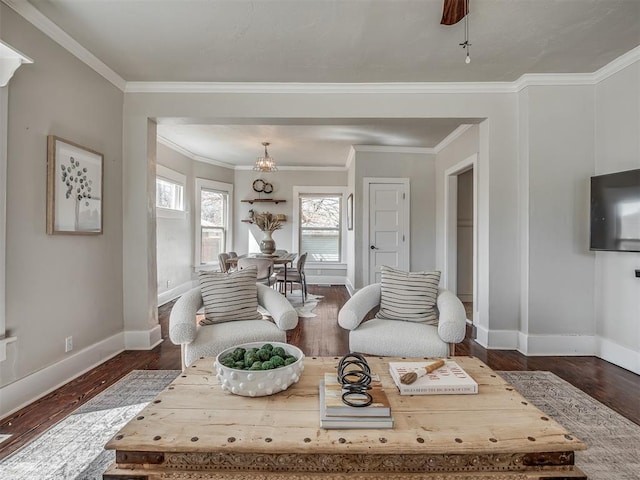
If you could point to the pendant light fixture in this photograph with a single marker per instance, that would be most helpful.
(266, 163)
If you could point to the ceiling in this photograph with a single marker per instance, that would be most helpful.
(337, 41)
(311, 142)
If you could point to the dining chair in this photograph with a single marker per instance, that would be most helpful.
(280, 267)
(264, 265)
(222, 260)
(233, 254)
(295, 275)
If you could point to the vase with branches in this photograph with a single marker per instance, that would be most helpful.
(268, 223)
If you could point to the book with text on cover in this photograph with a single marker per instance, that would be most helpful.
(380, 406)
(349, 421)
(449, 379)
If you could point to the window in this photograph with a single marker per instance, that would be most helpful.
(213, 213)
(169, 189)
(168, 194)
(321, 227)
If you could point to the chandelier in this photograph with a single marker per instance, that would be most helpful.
(266, 163)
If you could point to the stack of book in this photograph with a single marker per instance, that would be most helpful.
(448, 379)
(334, 413)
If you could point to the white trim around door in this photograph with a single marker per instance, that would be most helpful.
(449, 274)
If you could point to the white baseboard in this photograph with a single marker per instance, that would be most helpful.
(497, 339)
(565, 345)
(619, 355)
(24, 391)
(142, 339)
(560, 345)
(166, 297)
(326, 280)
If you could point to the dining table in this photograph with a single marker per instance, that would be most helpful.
(284, 259)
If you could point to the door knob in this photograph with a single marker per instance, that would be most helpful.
(373, 247)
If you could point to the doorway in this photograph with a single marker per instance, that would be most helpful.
(386, 229)
(460, 270)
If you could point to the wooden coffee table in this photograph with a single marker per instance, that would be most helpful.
(195, 430)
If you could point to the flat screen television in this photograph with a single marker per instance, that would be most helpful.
(615, 212)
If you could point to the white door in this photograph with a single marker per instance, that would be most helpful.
(388, 227)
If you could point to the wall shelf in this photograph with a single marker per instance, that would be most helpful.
(263, 200)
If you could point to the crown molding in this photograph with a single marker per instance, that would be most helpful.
(552, 80)
(46, 26)
(320, 88)
(189, 154)
(451, 137)
(620, 63)
(392, 149)
(573, 79)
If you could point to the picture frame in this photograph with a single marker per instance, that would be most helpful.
(74, 188)
(350, 212)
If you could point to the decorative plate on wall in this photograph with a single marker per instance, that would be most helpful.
(260, 185)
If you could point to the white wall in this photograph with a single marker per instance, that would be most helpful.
(58, 285)
(561, 132)
(174, 230)
(420, 169)
(175, 234)
(617, 148)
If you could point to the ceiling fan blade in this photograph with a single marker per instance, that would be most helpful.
(453, 11)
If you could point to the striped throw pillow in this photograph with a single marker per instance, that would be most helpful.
(229, 296)
(409, 296)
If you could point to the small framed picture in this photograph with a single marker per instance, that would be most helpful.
(74, 188)
(350, 212)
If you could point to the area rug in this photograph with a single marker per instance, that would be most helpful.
(73, 449)
(613, 441)
(304, 310)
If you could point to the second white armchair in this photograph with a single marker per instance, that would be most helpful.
(399, 338)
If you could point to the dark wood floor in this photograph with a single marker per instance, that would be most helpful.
(611, 385)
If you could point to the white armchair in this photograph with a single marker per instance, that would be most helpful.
(396, 338)
(208, 340)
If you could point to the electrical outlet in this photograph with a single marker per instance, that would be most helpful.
(68, 344)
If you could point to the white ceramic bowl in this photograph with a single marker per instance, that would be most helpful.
(258, 383)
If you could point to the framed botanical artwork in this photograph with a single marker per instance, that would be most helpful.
(74, 188)
(350, 212)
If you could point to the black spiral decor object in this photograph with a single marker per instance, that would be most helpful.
(354, 375)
